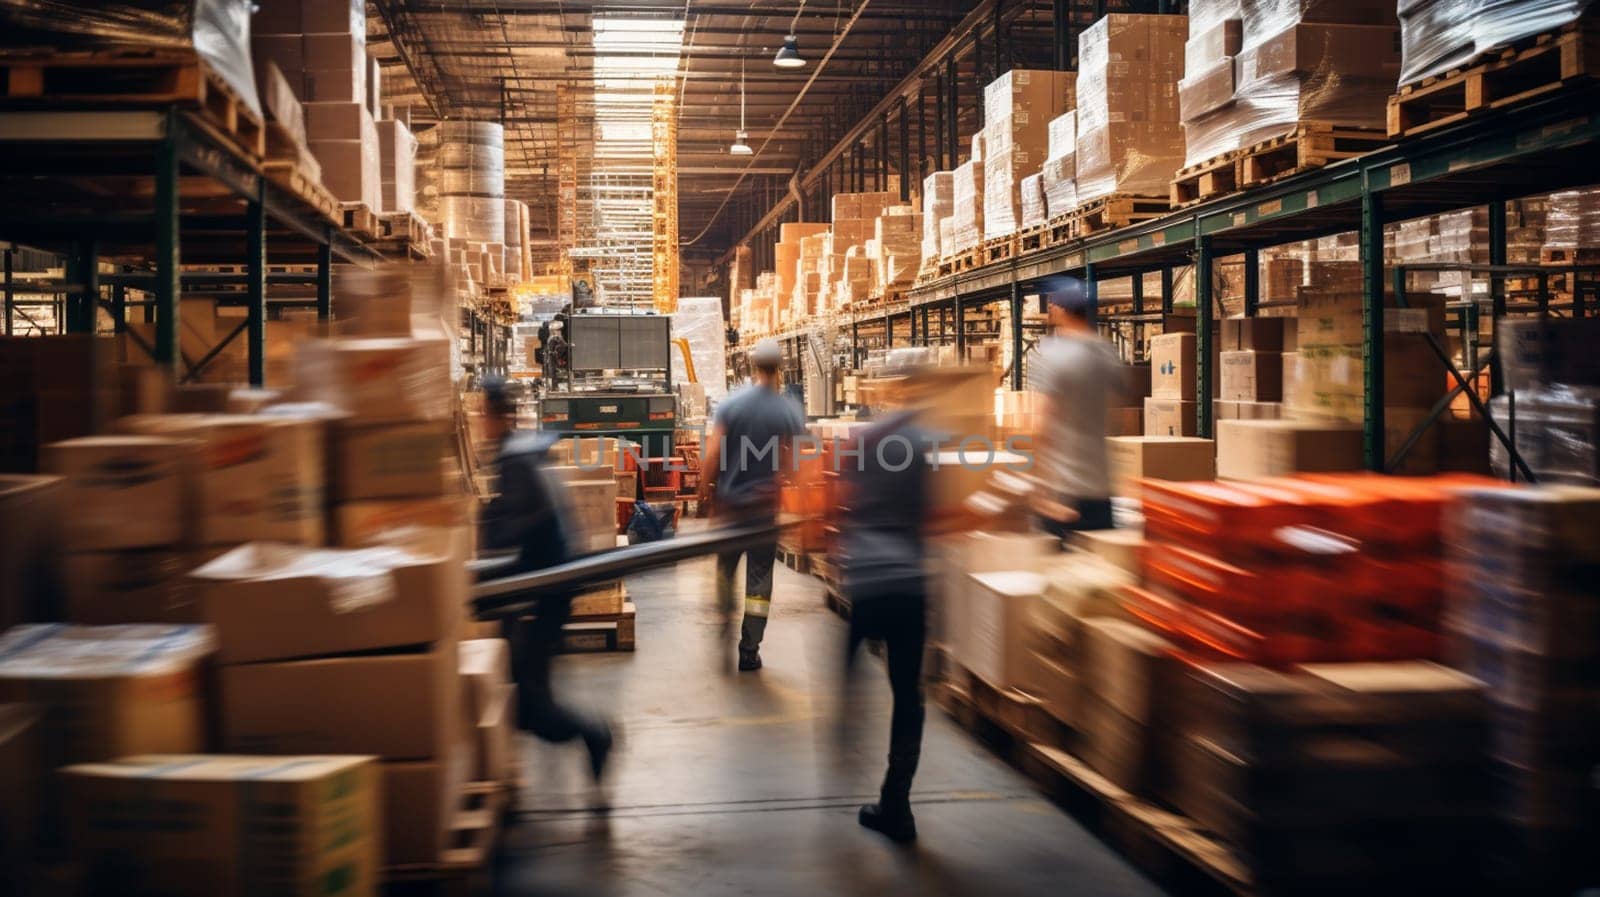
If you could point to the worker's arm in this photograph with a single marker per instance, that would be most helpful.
(511, 514)
(710, 464)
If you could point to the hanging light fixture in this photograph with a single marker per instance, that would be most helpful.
(741, 137)
(789, 54)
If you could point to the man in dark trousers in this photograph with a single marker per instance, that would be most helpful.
(530, 515)
(882, 554)
(752, 441)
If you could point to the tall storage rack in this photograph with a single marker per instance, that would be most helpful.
(156, 189)
(1539, 147)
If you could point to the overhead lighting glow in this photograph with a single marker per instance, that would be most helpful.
(789, 55)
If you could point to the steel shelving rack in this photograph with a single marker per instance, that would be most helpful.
(154, 189)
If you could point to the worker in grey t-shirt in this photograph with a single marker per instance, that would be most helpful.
(1078, 374)
(752, 441)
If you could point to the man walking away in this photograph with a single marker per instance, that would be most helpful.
(882, 554)
(751, 440)
(530, 514)
(1078, 375)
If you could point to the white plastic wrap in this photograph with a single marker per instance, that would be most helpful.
(1129, 137)
(938, 203)
(967, 209)
(1033, 204)
(1556, 430)
(1572, 222)
(1437, 35)
(471, 181)
(217, 30)
(699, 320)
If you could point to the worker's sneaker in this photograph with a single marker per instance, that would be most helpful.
(749, 662)
(897, 825)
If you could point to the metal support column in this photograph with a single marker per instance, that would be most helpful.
(325, 279)
(1138, 293)
(1061, 35)
(1016, 333)
(905, 153)
(926, 341)
(83, 287)
(881, 178)
(1371, 250)
(952, 120)
(119, 307)
(961, 332)
(10, 297)
(939, 129)
(855, 345)
(255, 284)
(165, 292)
(1252, 282)
(1166, 290)
(1202, 336)
(1497, 285)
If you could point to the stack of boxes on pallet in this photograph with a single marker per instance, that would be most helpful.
(1129, 138)
(938, 204)
(1438, 35)
(1059, 175)
(1018, 107)
(894, 252)
(963, 230)
(1551, 409)
(321, 51)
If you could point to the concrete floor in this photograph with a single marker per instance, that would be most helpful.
(744, 784)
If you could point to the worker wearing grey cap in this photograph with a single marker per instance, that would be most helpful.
(1078, 374)
(751, 443)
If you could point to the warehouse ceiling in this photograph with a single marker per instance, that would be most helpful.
(504, 59)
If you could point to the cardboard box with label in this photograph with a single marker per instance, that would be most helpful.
(271, 602)
(378, 379)
(1249, 449)
(1172, 366)
(1169, 417)
(226, 826)
(1133, 458)
(389, 460)
(1252, 376)
(122, 491)
(345, 705)
(109, 691)
(259, 477)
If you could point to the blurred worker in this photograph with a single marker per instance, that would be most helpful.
(555, 357)
(752, 439)
(531, 515)
(882, 555)
(1078, 374)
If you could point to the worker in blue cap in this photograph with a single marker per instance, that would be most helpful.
(1078, 374)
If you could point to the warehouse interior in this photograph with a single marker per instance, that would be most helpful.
(543, 447)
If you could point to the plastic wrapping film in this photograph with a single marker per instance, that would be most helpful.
(1556, 429)
(471, 180)
(699, 320)
(1129, 137)
(1059, 173)
(938, 203)
(217, 30)
(1018, 109)
(515, 234)
(1573, 220)
(1033, 204)
(1437, 35)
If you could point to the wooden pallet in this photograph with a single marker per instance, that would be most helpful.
(595, 634)
(957, 264)
(1310, 145)
(407, 226)
(298, 179)
(136, 78)
(997, 250)
(1544, 64)
(1062, 228)
(464, 866)
(1583, 255)
(1217, 176)
(360, 217)
(1034, 239)
(836, 601)
(975, 704)
(1117, 210)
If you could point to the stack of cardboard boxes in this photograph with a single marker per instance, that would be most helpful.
(397, 165)
(54, 387)
(1205, 95)
(938, 203)
(1018, 107)
(1129, 137)
(895, 251)
(1251, 374)
(1059, 176)
(963, 229)
(1552, 409)
(1438, 35)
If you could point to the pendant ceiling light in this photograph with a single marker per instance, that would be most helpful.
(741, 137)
(789, 54)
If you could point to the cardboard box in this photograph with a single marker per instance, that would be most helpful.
(1252, 376)
(420, 801)
(361, 523)
(605, 600)
(31, 514)
(389, 460)
(1172, 373)
(221, 826)
(1261, 334)
(1170, 417)
(1126, 421)
(345, 705)
(1248, 449)
(982, 552)
(1225, 410)
(495, 740)
(1133, 458)
(122, 491)
(485, 666)
(1127, 753)
(269, 602)
(378, 379)
(105, 588)
(1423, 456)
(999, 609)
(1124, 548)
(109, 691)
(337, 120)
(259, 477)
(1130, 668)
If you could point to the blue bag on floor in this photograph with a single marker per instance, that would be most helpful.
(652, 523)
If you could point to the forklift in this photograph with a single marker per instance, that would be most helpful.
(612, 376)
